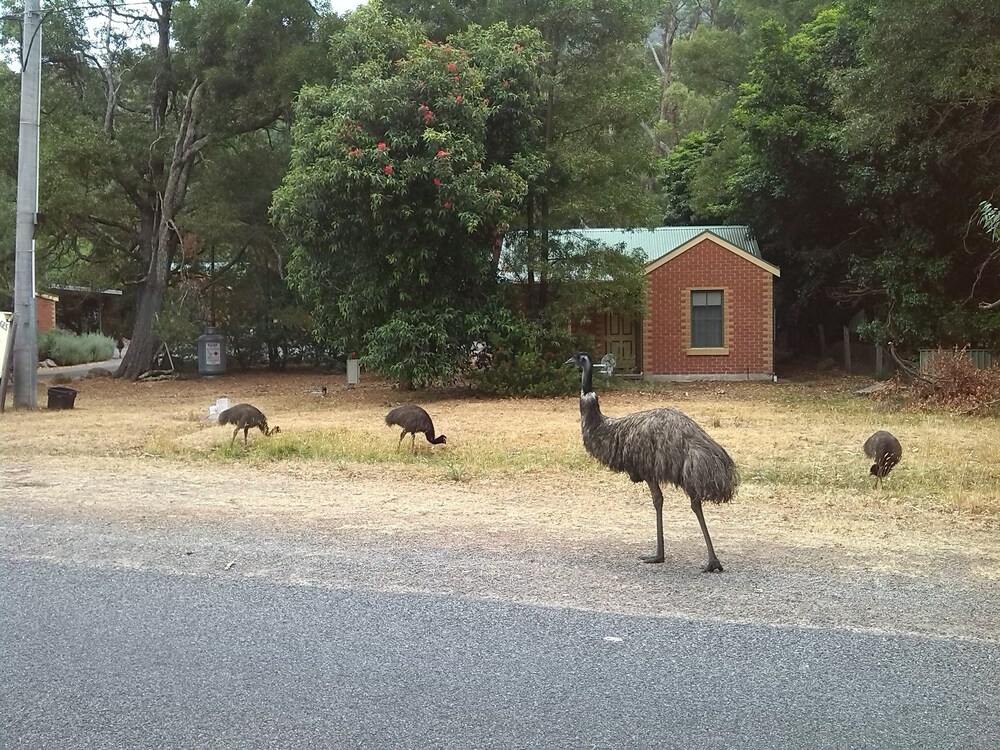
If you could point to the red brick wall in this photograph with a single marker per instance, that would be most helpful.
(45, 313)
(747, 315)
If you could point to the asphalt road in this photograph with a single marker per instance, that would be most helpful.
(131, 657)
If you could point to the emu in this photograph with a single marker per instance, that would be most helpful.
(884, 449)
(246, 417)
(658, 445)
(413, 419)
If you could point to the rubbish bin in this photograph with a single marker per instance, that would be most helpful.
(61, 397)
(212, 352)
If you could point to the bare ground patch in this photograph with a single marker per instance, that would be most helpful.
(512, 509)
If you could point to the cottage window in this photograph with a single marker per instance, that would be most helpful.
(706, 319)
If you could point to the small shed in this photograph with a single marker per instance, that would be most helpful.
(85, 310)
(709, 305)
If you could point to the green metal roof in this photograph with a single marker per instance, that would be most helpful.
(657, 242)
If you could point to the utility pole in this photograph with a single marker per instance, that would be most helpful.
(26, 343)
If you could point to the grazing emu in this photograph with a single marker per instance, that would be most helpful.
(884, 449)
(246, 417)
(413, 419)
(120, 344)
(659, 445)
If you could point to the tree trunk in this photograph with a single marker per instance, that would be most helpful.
(668, 108)
(161, 238)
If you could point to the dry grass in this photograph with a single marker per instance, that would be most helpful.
(798, 445)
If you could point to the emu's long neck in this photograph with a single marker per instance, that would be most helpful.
(590, 409)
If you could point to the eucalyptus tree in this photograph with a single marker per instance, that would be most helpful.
(133, 104)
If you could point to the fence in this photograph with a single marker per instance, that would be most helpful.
(981, 358)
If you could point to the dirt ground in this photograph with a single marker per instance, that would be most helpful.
(142, 456)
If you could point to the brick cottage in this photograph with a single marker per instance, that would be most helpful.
(709, 306)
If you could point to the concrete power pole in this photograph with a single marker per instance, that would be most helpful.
(26, 341)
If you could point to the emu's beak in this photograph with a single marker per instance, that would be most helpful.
(571, 361)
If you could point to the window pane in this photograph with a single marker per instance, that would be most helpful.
(706, 319)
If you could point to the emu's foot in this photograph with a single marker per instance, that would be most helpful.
(713, 566)
(651, 558)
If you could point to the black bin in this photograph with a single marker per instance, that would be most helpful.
(61, 397)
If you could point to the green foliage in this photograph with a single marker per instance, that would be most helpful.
(418, 348)
(582, 276)
(528, 361)
(528, 374)
(402, 172)
(182, 320)
(68, 348)
(692, 186)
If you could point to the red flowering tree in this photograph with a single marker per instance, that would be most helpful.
(402, 171)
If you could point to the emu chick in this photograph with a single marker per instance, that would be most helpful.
(246, 417)
(884, 449)
(413, 419)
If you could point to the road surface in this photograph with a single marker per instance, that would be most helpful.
(103, 647)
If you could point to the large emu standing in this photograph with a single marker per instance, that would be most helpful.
(413, 419)
(884, 449)
(659, 445)
(246, 417)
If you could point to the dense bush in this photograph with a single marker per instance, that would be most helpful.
(68, 348)
(950, 381)
(527, 359)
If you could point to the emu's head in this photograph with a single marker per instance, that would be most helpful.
(582, 360)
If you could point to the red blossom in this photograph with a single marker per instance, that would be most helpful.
(380, 145)
(445, 204)
(454, 78)
(387, 169)
(428, 116)
(458, 97)
(452, 67)
(442, 152)
(437, 181)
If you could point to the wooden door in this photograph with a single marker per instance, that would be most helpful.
(621, 334)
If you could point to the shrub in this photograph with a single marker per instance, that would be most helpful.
(528, 360)
(950, 381)
(68, 348)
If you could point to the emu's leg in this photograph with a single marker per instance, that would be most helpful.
(401, 436)
(654, 490)
(713, 561)
(246, 431)
(233, 441)
(413, 445)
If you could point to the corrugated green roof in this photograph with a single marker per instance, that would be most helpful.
(657, 242)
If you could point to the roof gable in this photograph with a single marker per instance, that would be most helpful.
(708, 234)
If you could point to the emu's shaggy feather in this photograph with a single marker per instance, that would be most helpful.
(664, 445)
(413, 419)
(658, 445)
(884, 449)
(246, 417)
